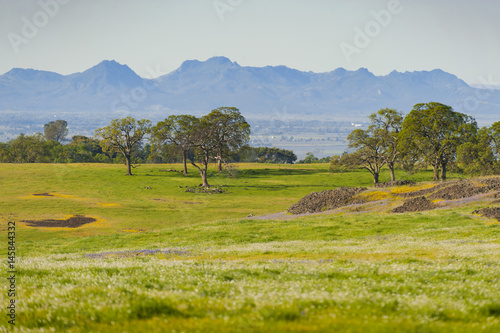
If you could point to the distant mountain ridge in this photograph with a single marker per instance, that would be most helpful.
(199, 86)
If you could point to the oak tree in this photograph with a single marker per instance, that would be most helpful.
(176, 130)
(433, 132)
(55, 130)
(123, 135)
(229, 130)
(386, 125)
(369, 152)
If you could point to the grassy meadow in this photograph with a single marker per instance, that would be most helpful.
(159, 259)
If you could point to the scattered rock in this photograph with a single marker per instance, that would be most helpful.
(492, 213)
(415, 205)
(148, 187)
(464, 189)
(210, 190)
(320, 201)
(396, 183)
(420, 193)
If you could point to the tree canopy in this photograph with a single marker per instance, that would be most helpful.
(123, 135)
(56, 130)
(229, 130)
(433, 132)
(369, 152)
(176, 130)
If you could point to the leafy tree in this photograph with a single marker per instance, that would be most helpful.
(85, 149)
(122, 136)
(433, 132)
(176, 131)
(479, 155)
(262, 155)
(310, 158)
(370, 151)
(275, 155)
(56, 130)
(29, 149)
(337, 164)
(495, 139)
(230, 131)
(386, 124)
(203, 139)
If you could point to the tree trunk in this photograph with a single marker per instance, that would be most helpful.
(443, 172)
(203, 174)
(219, 161)
(184, 158)
(203, 171)
(375, 177)
(391, 167)
(129, 166)
(436, 172)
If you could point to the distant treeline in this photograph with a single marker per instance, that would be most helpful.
(81, 149)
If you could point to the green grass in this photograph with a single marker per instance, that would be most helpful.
(217, 271)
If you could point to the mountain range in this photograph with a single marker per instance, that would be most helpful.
(199, 86)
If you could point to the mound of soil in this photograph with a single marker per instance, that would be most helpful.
(492, 213)
(461, 190)
(396, 183)
(73, 222)
(415, 205)
(316, 202)
(45, 194)
(426, 191)
(492, 183)
(457, 189)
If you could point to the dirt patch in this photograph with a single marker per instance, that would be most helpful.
(320, 201)
(43, 194)
(396, 183)
(492, 213)
(415, 205)
(72, 222)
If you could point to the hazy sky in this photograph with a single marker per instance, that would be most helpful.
(154, 37)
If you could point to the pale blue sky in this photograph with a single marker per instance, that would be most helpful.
(154, 37)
